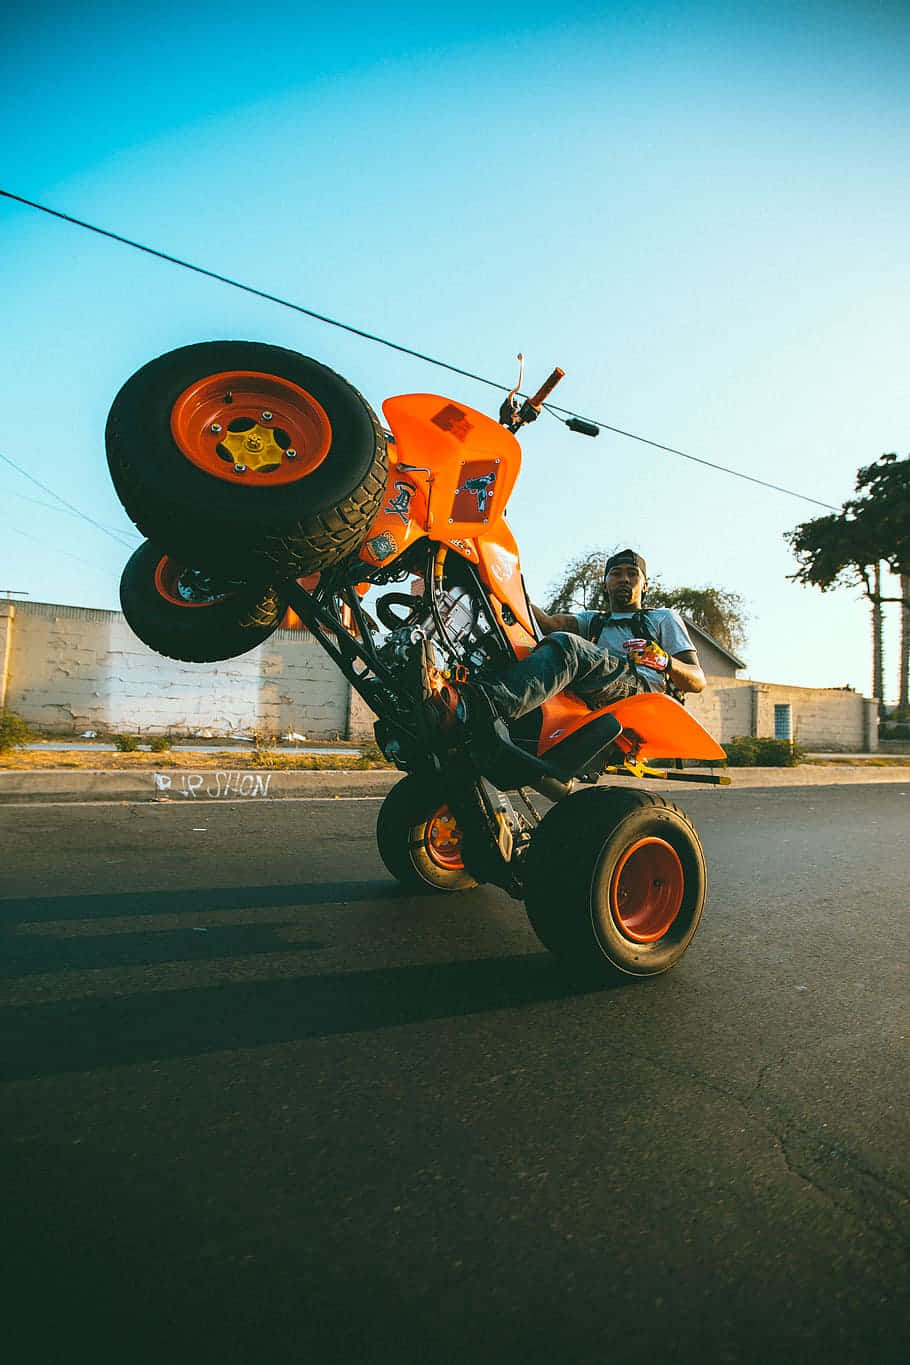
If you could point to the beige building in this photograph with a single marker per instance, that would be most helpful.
(826, 719)
(71, 669)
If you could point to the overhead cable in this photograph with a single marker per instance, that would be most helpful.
(96, 568)
(709, 464)
(84, 515)
(392, 345)
(64, 511)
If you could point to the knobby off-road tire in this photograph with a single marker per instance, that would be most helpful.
(615, 882)
(176, 435)
(183, 614)
(418, 839)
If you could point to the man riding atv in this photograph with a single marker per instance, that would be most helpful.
(600, 656)
(252, 470)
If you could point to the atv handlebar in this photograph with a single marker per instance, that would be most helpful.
(513, 417)
(546, 389)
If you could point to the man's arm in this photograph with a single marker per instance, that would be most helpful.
(561, 621)
(685, 672)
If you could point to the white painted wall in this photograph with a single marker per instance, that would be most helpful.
(73, 668)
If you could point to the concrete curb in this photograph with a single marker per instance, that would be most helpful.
(208, 784)
(818, 775)
(51, 785)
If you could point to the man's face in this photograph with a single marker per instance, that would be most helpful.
(625, 585)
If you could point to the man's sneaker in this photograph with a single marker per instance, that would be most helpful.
(443, 707)
(436, 699)
(469, 710)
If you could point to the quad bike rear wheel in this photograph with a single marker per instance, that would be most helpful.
(185, 613)
(419, 839)
(247, 458)
(615, 882)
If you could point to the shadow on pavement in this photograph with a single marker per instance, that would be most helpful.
(42, 1040)
(189, 900)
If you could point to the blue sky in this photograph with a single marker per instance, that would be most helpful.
(699, 211)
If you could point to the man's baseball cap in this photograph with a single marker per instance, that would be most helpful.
(626, 557)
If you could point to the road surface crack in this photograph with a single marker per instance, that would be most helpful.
(835, 1174)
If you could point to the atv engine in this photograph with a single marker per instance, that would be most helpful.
(460, 629)
(462, 632)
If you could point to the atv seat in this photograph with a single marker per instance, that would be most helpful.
(582, 755)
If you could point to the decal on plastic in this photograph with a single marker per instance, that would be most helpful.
(400, 505)
(454, 421)
(474, 493)
(381, 547)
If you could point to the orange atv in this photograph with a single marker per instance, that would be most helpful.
(264, 481)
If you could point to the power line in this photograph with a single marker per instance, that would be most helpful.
(96, 568)
(75, 510)
(251, 289)
(64, 511)
(709, 464)
(392, 345)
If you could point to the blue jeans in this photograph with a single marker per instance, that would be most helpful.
(561, 661)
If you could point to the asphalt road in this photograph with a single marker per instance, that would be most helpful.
(263, 1108)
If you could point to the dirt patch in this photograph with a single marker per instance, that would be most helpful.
(858, 761)
(103, 760)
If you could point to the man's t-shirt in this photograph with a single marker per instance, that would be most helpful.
(664, 625)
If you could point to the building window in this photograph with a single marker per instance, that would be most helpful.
(783, 721)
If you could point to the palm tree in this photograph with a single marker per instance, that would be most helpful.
(903, 700)
(878, 665)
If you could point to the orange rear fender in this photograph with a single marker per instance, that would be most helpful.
(654, 726)
(658, 727)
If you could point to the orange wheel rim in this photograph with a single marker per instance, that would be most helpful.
(647, 889)
(184, 587)
(251, 428)
(443, 840)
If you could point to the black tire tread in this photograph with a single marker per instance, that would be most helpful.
(559, 862)
(307, 547)
(410, 801)
(222, 631)
(292, 549)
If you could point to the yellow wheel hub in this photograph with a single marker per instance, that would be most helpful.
(256, 448)
(245, 427)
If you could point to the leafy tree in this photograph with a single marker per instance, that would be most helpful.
(718, 611)
(715, 610)
(847, 549)
(581, 587)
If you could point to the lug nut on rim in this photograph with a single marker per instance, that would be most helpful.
(291, 454)
(215, 428)
(265, 417)
(239, 468)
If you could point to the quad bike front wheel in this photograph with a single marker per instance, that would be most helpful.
(186, 613)
(419, 839)
(615, 882)
(247, 458)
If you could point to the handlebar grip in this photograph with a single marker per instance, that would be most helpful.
(547, 388)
